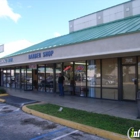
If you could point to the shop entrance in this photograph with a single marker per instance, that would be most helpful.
(26, 79)
(128, 76)
(35, 83)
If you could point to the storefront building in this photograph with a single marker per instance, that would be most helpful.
(99, 60)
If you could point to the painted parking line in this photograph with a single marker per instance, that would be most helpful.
(65, 135)
(49, 134)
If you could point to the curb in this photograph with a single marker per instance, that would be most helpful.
(5, 94)
(84, 128)
(2, 100)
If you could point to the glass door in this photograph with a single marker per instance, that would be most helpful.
(28, 79)
(129, 88)
(17, 78)
(23, 78)
(49, 78)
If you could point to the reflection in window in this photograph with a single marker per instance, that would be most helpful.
(49, 78)
(41, 78)
(1, 78)
(4, 78)
(110, 78)
(80, 77)
(128, 84)
(23, 78)
(139, 72)
(29, 79)
(8, 78)
(68, 75)
(12, 81)
(57, 71)
(109, 73)
(128, 74)
(93, 77)
(17, 78)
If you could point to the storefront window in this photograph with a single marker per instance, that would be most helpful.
(128, 85)
(23, 78)
(69, 78)
(110, 78)
(128, 76)
(57, 71)
(17, 77)
(80, 78)
(4, 78)
(1, 77)
(12, 78)
(129, 60)
(8, 77)
(29, 79)
(93, 78)
(41, 78)
(49, 78)
(139, 72)
(109, 73)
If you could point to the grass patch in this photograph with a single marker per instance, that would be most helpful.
(106, 122)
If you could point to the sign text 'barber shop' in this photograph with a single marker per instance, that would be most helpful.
(40, 55)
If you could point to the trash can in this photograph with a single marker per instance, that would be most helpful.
(138, 103)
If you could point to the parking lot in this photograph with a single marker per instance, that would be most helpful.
(17, 125)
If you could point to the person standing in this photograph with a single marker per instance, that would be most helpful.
(61, 80)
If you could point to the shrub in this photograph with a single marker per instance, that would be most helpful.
(2, 91)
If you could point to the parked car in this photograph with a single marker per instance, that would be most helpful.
(29, 80)
(106, 80)
(48, 84)
(109, 79)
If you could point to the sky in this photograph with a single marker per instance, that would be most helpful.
(27, 22)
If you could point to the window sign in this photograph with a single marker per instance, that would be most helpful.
(92, 67)
(79, 68)
(32, 66)
(129, 60)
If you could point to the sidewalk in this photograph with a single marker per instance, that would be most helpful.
(121, 109)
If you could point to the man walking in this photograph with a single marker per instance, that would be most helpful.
(61, 80)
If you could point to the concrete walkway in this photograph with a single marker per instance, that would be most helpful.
(122, 109)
